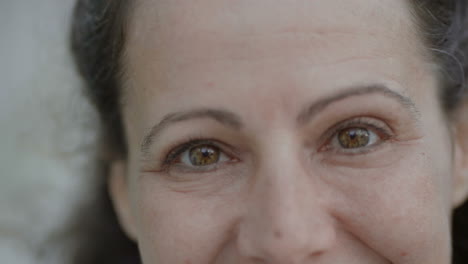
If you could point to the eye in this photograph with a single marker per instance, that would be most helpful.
(203, 155)
(195, 156)
(358, 135)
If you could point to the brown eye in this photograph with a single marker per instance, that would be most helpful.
(203, 155)
(351, 138)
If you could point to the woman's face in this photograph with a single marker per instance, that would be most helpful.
(283, 132)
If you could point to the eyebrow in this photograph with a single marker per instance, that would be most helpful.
(313, 109)
(232, 120)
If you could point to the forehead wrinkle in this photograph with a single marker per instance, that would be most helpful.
(183, 30)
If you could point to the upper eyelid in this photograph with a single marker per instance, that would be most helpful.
(366, 121)
(383, 129)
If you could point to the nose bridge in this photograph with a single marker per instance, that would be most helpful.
(284, 221)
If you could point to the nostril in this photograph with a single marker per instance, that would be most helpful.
(288, 243)
(256, 260)
(315, 255)
(278, 234)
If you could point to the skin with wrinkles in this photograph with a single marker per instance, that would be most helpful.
(283, 190)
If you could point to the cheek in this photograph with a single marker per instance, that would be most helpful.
(397, 210)
(169, 220)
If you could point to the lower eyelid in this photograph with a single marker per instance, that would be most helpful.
(177, 168)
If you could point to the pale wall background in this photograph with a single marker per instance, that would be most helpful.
(46, 130)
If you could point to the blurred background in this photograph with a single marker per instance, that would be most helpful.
(47, 131)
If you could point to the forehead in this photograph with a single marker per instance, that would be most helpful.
(205, 29)
(175, 47)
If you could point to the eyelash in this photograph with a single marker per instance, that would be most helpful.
(383, 132)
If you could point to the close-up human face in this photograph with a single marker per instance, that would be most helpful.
(284, 132)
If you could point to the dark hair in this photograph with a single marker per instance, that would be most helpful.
(98, 40)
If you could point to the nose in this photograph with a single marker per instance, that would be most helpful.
(284, 220)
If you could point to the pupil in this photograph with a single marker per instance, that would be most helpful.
(206, 152)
